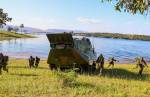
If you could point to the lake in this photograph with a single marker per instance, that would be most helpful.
(123, 50)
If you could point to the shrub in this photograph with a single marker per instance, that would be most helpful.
(66, 79)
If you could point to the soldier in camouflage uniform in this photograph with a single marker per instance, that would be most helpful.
(140, 62)
(100, 62)
(111, 61)
(144, 62)
(31, 61)
(37, 61)
(5, 63)
(1, 62)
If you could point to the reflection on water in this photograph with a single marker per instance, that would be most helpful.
(124, 50)
(23, 48)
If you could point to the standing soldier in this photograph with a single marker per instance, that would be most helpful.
(144, 62)
(111, 61)
(1, 62)
(100, 62)
(37, 61)
(31, 61)
(140, 62)
(93, 67)
(5, 63)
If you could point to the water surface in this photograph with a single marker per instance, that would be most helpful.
(123, 50)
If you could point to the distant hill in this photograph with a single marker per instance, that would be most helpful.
(57, 30)
(31, 30)
(26, 29)
(61, 30)
(37, 30)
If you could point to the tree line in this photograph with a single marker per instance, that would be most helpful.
(116, 36)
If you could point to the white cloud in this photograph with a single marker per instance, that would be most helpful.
(94, 25)
(88, 20)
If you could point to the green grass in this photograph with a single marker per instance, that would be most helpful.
(9, 35)
(122, 81)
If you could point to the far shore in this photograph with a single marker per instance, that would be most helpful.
(116, 36)
(5, 35)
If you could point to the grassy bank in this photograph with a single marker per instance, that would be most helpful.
(118, 36)
(122, 81)
(10, 35)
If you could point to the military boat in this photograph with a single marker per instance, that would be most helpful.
(67, 51)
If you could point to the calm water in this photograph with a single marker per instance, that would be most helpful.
(124, 50)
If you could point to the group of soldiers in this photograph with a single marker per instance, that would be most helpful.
(99, 63)
(3, 62)
(140, 62)
(34, 62)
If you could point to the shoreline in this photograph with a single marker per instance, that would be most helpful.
(45, 59)
(26, 55)
(5, 35)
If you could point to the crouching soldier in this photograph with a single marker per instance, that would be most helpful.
(31, 61)
(37, 61)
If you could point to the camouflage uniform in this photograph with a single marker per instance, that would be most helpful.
(5, 63)
(140, 62)
(100, 62)
(1, 62)
(111, 61)
(144, 62)
(37, 61)
(31, 61)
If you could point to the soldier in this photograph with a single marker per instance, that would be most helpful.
(93, 66)
(100, 62)
(144, 62)
(5, 63)
(111, 61)
(37, 61)
(1, 62)
(140, 62)
(31, 61)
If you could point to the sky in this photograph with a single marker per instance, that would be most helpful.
(84, 15)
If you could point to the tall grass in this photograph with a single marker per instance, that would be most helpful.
(122, 81)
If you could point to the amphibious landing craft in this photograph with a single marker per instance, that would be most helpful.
(68, 52)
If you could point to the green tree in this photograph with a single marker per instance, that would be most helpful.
(21, 27)
(4, 17)
(131, 6)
